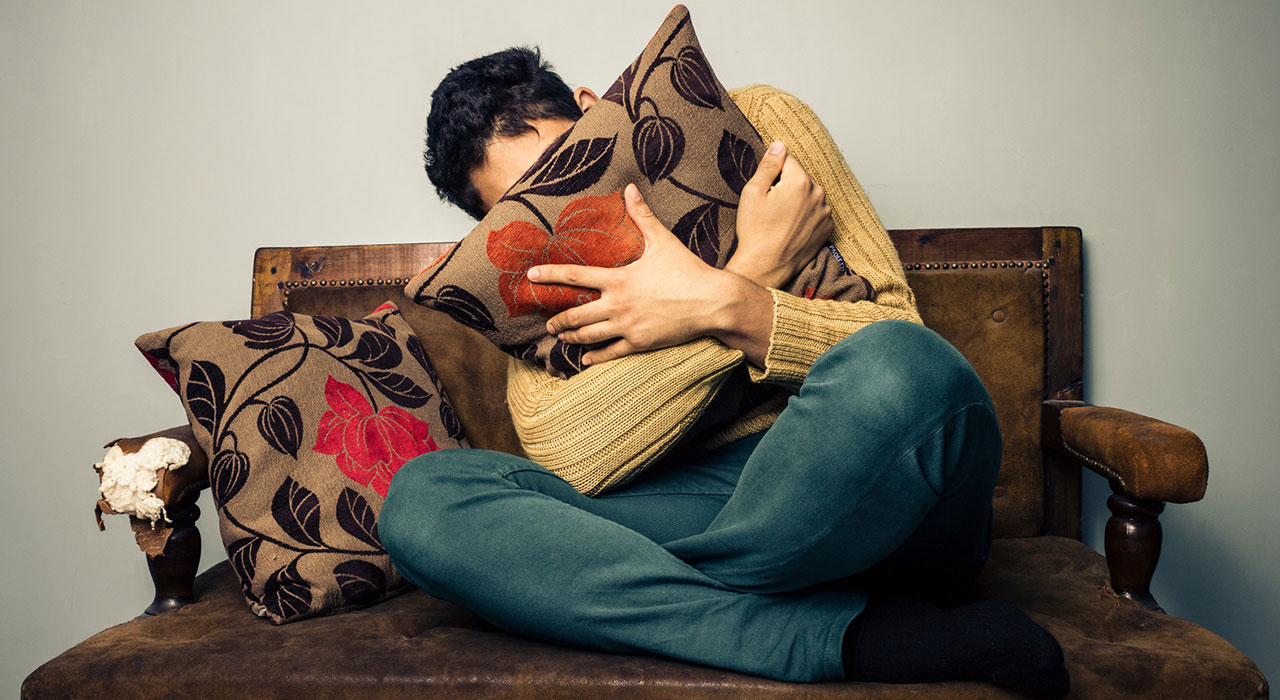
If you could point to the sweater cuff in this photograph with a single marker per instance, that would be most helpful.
(798, 337)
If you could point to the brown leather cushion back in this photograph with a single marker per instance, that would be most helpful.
(995, 317)
(472, 370)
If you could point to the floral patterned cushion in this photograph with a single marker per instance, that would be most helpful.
(666, 124)
(305, 420)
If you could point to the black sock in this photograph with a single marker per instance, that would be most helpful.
(901, 639)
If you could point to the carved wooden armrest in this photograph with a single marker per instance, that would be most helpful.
(1148, 463)
(163, 519)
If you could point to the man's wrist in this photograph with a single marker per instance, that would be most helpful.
(762, 275)
(744, 320)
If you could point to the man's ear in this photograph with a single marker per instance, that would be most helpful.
(585, 98)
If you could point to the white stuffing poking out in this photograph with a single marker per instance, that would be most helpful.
(128, 479)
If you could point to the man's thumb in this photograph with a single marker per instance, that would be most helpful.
(652, 230)
(638, 209)
(771, 164)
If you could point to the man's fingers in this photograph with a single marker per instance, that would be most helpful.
(769, 168)
(577, 275)
(609, 352)
(590, 333)
(578, 316)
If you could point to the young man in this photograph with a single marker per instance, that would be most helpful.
(806, 532)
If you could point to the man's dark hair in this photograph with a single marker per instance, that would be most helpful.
(494, 95)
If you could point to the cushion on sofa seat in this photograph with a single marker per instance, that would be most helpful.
(415, 644)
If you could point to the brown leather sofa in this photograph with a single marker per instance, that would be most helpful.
(1009, 299)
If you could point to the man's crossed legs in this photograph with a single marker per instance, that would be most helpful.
(755, 557)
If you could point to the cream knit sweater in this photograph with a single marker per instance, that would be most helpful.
(601, 427)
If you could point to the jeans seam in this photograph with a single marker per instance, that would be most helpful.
(809, 544)
(665, 493)
(728, 492)
(517, 470)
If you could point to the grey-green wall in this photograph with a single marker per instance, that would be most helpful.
(149, 148)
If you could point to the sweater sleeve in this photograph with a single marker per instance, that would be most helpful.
(601, 427)
(805, 328)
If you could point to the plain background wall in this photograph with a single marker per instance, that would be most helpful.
(149, 148)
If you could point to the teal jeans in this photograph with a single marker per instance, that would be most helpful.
(753, 557)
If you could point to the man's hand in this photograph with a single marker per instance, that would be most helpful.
(667, 297)
(781, 226)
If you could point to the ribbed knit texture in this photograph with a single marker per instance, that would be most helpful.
(601, 427)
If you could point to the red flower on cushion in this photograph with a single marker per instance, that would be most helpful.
(593, 230)
(370, 447)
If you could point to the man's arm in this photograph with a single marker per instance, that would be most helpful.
(601, 427)
(805, 328)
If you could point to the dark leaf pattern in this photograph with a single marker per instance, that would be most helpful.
(286, 594)
(357, 518)
(464, 307)
(449, 419)
(243, 554)
(699, 230)
(399, 388)
(540, 163)
(575, 168)
(280, 424)
(737, 161)
(336, 330)
(420, 354)
(658, 143)
(297, 511)
(567, 357)
(265, 332)
(377, 350)
(521, 351)
(617, 92)
(227, 475)
(360, 581)
(692, 78)
(205, 389)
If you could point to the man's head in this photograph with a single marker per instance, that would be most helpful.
(490, 119)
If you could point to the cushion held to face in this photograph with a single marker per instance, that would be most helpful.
(666, 124)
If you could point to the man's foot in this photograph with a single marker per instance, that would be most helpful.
(901, 639)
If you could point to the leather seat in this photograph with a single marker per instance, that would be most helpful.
(403, 647)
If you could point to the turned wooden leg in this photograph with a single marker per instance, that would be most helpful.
(1133, 540)
(174, 572)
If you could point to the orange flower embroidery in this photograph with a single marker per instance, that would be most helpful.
(593, 230)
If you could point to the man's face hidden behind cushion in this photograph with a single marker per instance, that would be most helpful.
(666, 124)
(507, 158)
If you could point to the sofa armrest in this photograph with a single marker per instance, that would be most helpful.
(1145, 457)
(1147, 462)
(170, 540)
(175, 486)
